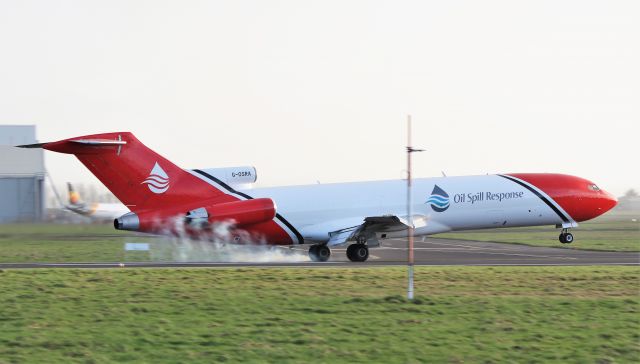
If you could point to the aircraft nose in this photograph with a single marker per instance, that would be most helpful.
(580, 198)
(607, 202)
(597, 202)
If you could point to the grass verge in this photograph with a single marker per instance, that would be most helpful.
(461, 314)
(67, 243)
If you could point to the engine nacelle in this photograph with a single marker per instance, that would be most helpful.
(129, 221)
(242, 213)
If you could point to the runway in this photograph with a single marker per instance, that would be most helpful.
(430, 252)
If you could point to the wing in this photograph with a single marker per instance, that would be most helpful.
(372, 225)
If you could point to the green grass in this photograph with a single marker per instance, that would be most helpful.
(461, 314)
(612, 232)
(66, 243)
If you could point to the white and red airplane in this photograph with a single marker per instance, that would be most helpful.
(96, 211)
(164, 198)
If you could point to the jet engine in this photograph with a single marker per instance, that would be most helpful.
(240, 213)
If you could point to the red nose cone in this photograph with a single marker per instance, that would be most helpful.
(608, 202)
(580, 198)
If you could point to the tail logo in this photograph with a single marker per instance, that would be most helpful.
(158, 180)
(439, 200)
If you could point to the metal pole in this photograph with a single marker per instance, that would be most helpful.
(409, 210)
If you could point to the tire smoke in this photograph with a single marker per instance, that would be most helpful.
(218, 242)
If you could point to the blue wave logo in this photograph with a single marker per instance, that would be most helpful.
(439, 200)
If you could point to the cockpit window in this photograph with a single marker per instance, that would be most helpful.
(594, 188)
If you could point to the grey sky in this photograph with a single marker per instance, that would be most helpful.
(319, 90)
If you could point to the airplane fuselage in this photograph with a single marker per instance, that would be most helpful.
(446, 203)
(473, 202)
(99, 211)
(164, 198)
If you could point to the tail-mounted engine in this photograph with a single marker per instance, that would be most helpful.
(239, 213)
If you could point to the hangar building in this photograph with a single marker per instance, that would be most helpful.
(22, 175)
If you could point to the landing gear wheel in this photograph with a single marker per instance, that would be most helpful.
(319, 253)
(566, 238)
(312, 253)
(350, 252)
(357, 252)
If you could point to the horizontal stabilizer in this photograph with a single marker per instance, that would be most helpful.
(37, 145)
(99, 141)
(79, 142)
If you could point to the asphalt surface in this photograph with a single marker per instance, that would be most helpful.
(394, 252)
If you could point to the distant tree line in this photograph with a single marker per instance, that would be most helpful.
(630, 201)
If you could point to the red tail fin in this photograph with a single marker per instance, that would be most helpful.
(137, 176)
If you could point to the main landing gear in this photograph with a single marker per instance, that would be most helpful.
(358, 252)
(566, 237)
(319, 253)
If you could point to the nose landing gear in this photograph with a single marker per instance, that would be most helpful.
(566, 237)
